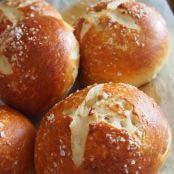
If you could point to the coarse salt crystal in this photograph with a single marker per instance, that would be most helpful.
(62, 153)
(51, 118)
(133, 162)
(119, 74)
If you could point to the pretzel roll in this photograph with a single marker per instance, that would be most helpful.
(103, 129)
(17, 136)
(12, 11)
(39, 56)
(121, 41)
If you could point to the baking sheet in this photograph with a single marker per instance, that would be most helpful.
(162, 88)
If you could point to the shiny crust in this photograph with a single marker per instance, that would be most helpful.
(17, 136)
(28, 9)
(114, 52)
(108, 149)
(42, 55)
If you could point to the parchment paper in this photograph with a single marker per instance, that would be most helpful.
(161, 89)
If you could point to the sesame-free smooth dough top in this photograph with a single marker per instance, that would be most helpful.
(121, 41)
(103, 129)
(17, 137)
(39, 55)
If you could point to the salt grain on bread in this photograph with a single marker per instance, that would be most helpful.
(121, 41)
(17, 137)
(12, 11)
(39, 55)
(103, 129)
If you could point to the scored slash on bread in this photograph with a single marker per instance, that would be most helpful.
(104, 129)
(39, 55)
(121, 41)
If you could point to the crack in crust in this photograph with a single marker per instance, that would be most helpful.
(113, 13)
(98, 107)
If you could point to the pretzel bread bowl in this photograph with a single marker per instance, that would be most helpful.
(121, 41)
(17, 136)
(103, 129)
(39, 56)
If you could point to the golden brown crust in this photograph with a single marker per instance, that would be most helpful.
(17, 136)
(128, 43)
(109, 148)
(41, 57)
(24, 9)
